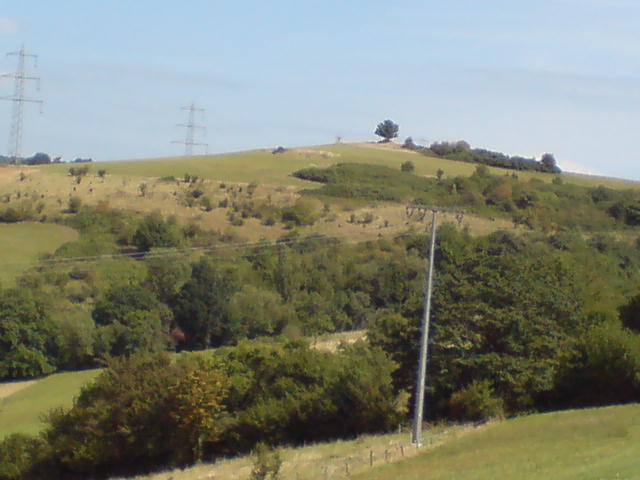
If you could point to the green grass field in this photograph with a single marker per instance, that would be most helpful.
(592, 444)
(264, 167)
(21, 243)
(22, 411)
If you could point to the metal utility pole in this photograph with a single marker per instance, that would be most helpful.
(421, 211)
(191, 127)
(20, 77)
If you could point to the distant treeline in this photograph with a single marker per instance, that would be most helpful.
(463, 152)
(40, 158)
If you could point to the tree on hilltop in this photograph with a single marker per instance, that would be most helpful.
(548, 162)
(387, 130)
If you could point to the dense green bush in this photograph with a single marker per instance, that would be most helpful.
(475, 402)
(18, 454)
(27, 336)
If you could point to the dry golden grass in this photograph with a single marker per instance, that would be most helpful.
(9, 388)
(339, 459)
(331, 341)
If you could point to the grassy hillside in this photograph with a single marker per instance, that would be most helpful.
(320, 461)
(572, 445)
(267, 168)
(21, 243)
(579, 444)
(22, 412)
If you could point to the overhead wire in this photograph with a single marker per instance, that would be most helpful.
(176, 251)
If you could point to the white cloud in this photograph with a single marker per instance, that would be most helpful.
(8, 26)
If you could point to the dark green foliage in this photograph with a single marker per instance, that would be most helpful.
(154, 231)
(20, 212)
(603, 368)
(74, 204)
(503, 312)
(201, 306)
(103, 220)
(89, 245)
(408, 166)
(266, 464)
(130, 319)
(166, 276)
(365, 181)
(630, 314)
(462, 151)
(79, 171)
(290, 393)
(27, 336)
(475, 402)
(300, 213)
(17, 454)
(536, 204)
(131, 419)
(409, 144)
(388, 130)
(145, 412)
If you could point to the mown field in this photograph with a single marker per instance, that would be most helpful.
(592, 444)
(22, 411)
(22, 243)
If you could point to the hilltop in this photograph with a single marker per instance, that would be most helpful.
(251, 257)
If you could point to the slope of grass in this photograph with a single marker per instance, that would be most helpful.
(22, 412)
(267, 168)
(588, 444)
(320, 461)
(21, 243)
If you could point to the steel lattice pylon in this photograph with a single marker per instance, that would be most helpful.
(191, 127)
(18, 99)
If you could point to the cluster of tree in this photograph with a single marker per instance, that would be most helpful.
(534, 203)
(518, 327)
(463, 152)
(147, 412)
(520, 323)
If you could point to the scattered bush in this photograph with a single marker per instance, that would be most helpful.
(475, 402)
(408, 166)
(74, 204)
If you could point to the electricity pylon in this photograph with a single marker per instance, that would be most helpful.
(18, 98)
(418, 410)
(191, 127)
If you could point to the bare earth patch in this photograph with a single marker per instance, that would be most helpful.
(9, 388)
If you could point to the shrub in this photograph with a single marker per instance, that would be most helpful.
(266, 464)
(408, 166)
(206, 204)
(300, 213)
(74, 205)
(16, 452)
(475, 402)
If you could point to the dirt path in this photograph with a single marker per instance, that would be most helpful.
(9, 388)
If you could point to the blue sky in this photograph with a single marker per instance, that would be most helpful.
(523, 77)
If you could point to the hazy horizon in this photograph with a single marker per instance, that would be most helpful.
(523, 78)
